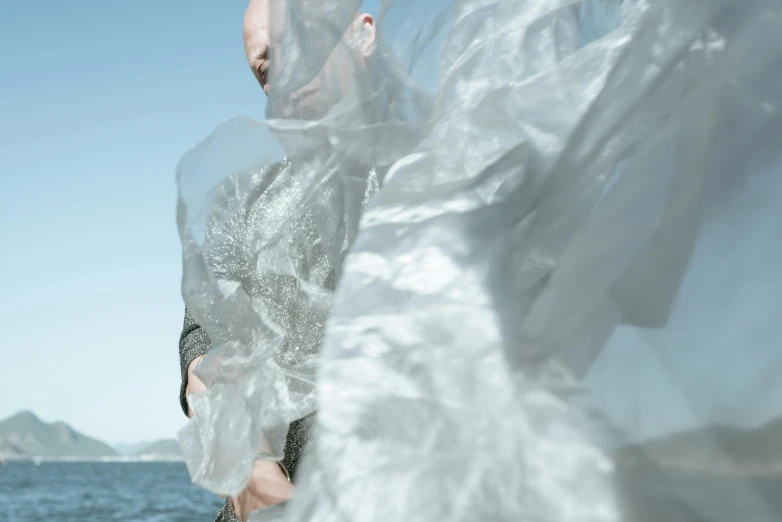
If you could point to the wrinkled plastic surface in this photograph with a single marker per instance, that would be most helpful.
(563, 302)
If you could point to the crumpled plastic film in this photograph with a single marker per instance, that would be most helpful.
(565, 278)
(267, 212)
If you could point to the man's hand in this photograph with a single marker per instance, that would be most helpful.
(268, 485)
(194, 384)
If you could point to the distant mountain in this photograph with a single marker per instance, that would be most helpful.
(130, 449)
(26, 436)
(167, 448)
(717, 449)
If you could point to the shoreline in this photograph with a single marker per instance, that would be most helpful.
(119, 458)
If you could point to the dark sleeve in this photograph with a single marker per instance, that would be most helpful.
(192, 342)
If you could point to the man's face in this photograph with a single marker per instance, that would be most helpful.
(256, 40)
(263, 34)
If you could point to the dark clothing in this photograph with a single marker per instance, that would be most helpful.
(194, 342)
(227, 515)
(275, 513)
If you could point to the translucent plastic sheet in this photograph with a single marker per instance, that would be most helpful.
(563, 302)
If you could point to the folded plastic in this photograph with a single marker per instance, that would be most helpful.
(497, 286)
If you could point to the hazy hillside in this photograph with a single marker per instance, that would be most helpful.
(24, 435)
(130, 449)
(163, 448)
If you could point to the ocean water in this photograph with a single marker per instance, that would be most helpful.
(162, 492)
(102, 492)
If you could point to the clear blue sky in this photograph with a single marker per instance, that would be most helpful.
(98, 100)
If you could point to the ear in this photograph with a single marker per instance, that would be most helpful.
(368, 34)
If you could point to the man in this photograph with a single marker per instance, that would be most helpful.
(271, 482)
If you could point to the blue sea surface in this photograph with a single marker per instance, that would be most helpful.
(158, 492)
(102, 492)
